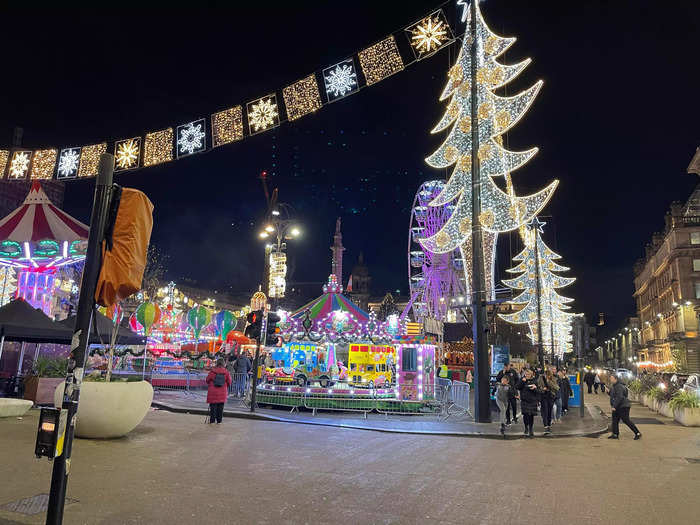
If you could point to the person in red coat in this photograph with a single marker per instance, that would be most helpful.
(218, 381)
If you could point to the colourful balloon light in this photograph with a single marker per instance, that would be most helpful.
(225, 323)
(198, 317)
(134, 323)
(147, 314)
(115, 313)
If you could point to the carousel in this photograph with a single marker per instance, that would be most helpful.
(330, 349)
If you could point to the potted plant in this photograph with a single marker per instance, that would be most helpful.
(109, 409)
(47, 373)
(634, 389)
(654, 395)
(686, 408)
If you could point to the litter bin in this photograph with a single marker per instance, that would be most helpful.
(575, 398)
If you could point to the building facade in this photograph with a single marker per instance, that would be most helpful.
(667, 289)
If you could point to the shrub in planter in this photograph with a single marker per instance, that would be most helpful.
(47, 373)
(654, 395)
(634, 389)
(686, 408)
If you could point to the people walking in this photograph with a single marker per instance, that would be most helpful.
(596, 382)
(549, 389)
(565, 391)
(242, 366)
(512, 407)
(589, 379)
(502, 396)
(218, 382)
(620, 409)
(529, 397)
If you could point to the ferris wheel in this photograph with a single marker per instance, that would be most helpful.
(434, 278)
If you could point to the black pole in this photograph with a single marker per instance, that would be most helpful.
(261, 342)
(482, 401)
(76, 360)
(579, 365)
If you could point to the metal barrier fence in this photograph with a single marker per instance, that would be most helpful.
(415, 401)
(344, 400)
(185, 381)
(457, 401)
(239, 385)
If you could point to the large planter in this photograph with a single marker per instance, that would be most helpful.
(688, 417)
(633, 397)
(664, 409)
(10, 407)
(109, 410)
(645, 400)
(41, 389)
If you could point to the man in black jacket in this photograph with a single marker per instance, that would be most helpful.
(620, 409)
(513, 377)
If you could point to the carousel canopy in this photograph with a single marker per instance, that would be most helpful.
(331, 300)
(39, 234)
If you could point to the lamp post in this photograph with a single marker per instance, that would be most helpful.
(278, 228)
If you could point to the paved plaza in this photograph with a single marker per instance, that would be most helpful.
(175, 469)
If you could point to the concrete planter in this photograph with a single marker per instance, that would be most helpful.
(688, 417)
(633, 397)
(109, 410)
(664, 409)
(41, 389)
(10, 407)
(646, 400)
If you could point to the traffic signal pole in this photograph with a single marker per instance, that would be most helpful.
(76, 359)
(256, 360)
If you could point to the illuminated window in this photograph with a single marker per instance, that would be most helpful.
(696, 265)
(694, 237)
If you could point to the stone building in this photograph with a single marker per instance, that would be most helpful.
(667, 290)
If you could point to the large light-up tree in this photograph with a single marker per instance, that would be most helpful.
(501, 209)
(541, 307)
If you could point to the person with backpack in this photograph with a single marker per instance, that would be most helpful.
(218, 381)
(620, 409)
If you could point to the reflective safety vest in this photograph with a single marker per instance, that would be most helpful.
(443, 371)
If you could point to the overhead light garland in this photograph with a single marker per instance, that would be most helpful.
(378, 62)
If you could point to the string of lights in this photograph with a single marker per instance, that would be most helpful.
(425, 37)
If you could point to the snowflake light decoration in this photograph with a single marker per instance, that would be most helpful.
(19, 165)
(191, 138)
(429, 35)
(68, 163)
(126, 154)
(263, 114)
(340, 79)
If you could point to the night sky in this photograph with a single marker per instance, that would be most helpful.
(616, 122)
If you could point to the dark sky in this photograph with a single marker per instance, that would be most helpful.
(616, 122)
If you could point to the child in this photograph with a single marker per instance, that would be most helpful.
(502, 396)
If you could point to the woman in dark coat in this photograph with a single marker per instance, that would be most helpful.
(529, 397)
(218, 381)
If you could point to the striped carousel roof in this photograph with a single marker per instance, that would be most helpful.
(37, 219)
(329, 302)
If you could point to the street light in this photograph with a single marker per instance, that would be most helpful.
(295, 232)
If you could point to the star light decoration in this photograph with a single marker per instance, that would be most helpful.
(127, 153)
(227, 126)
(19, 165)
(429, 35)
(538, 269)
(90, 159)
(263, 114)
(502, 210)
(380, 60)
(302, 97)
(191, 138)
(158, 147)
(340, 80)
(68, 163)
(43, 164)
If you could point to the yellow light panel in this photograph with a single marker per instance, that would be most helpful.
(158, 147)
(43, 164)
(90, 159)
(227, 126)
(4, 156)
(380, 61)
(302, 97)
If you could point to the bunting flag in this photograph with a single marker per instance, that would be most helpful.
(377, 62)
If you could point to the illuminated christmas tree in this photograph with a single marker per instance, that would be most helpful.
(538, 282)
(8, 285)
(502, 209)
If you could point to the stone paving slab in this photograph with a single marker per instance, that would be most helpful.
(593, 423)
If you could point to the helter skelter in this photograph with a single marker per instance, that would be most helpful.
(502, 210)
